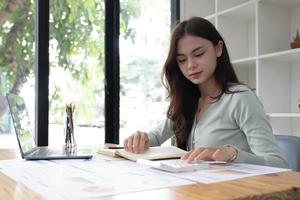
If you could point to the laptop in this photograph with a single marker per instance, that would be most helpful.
(26, 140)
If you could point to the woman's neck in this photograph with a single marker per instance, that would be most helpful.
(209, 89)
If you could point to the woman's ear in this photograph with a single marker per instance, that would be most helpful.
(219, 48)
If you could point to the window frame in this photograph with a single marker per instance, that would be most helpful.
(112, 68)
(42, 72)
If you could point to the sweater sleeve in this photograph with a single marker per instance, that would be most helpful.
(252, 120)
(161, 133)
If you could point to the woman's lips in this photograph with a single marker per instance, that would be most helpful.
(195, 75)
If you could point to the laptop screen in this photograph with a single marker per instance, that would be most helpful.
(21, 123)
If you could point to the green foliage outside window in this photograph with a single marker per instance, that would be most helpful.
(77, 35)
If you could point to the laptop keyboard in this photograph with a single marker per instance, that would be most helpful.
(45, 152)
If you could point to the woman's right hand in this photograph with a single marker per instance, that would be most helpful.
(137, 142)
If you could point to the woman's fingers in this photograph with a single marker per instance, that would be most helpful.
(191, 155)
(211, 153)
(228, 154)
(220, 155)
(206, 154)
(128, 143)
(185, 156)
(137, 143)
(144, 143)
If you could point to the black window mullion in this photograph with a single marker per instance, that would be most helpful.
(175, 12)
(175, 18)
(41, 72)
(112, 68)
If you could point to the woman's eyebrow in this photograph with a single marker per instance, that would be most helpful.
(196, 49)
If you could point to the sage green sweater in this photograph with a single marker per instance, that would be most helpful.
(237, 120)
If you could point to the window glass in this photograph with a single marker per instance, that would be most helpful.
(76, 54)
(16, 61)
(77, 69)
(143, 49)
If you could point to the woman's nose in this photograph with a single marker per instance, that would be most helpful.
(191, 63)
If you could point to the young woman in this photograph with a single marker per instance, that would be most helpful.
(211, 114)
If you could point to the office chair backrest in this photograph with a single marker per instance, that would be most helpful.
(290, 146)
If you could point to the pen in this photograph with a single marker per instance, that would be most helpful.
(115, 147)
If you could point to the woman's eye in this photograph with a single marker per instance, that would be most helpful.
(199, 54)
(180, 60)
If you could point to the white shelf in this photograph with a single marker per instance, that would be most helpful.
(210, 17)
(244, 61)
(284, 3)
(291, 55)
(277, 24)
(228, 4)
(201, 8)
(283, 114)
(243, 12)
(246, 71)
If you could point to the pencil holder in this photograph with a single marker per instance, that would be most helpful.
(70, 143)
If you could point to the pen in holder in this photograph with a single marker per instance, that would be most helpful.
(70, 143)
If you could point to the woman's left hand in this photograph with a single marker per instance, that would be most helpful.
(227, 154)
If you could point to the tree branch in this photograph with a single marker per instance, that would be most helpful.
(9, 53)
(13, 33)
(11, 6)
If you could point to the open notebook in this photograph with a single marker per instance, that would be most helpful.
(152, 153)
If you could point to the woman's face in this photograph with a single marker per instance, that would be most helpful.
(197, 58)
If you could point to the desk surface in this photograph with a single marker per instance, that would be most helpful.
(284, 185)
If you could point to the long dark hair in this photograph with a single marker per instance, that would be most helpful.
(183, 94)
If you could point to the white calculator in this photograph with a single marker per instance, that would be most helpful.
(177, 165)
